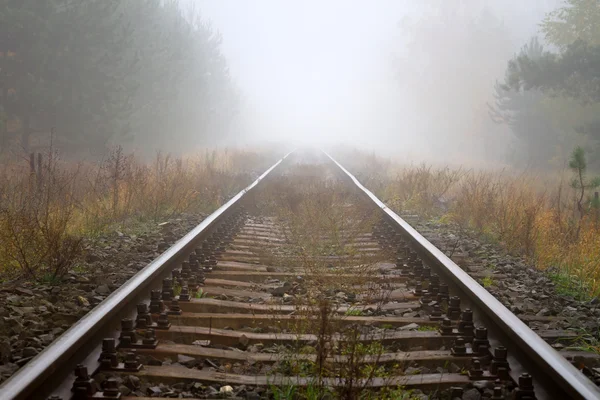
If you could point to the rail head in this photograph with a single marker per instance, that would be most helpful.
(26, 380)
(571, 380)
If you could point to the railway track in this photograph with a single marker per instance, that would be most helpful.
(304, 285)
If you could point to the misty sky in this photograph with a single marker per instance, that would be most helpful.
(328, 70)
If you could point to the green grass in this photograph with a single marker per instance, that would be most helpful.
(569, 285)
(353, 312)
(200, 294)
(286, 392)
(585, 341)
(427, 328)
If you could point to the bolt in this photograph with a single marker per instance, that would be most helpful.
(443, 293)
(83, 386)
(498, 395)
(174, 308)
(131, 361)
(156, 303)
(81, 372)
(456, 392)
(111, 388)
(108, 356)
(465, 325)
(128, 335)
(143, 319)
(454, 308)
(459, 347)
(446, 327)
(525, 390)
(185, 270)
(185, 293)
(418, 289)
(481, 344)
(149, 337)
(499, 361)
(475, 371)
(436, 313)
(163, 321)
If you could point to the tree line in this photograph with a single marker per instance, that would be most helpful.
(88, 74)
(550, 96)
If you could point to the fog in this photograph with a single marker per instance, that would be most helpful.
(401, 77)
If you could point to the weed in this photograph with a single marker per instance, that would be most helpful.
(322, 219)
(176, 289)
(487, 281)
(285, 392)
(585, 341)
(200, 294)
(353, 312)
(427, 328)
(50, 279)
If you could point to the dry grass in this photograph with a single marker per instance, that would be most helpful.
(46, 211)
(532, 215)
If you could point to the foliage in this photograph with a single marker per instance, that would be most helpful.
(577, 20)
(526, 115)
(580, 182)
(104, 72)
(549, 99)
(354, 312)
(487, 281)
(573, 73)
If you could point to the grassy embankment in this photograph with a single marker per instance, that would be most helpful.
(540, 216)
(47, 209)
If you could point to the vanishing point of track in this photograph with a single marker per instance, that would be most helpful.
(250, 301)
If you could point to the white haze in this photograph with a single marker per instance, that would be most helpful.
(404, 77)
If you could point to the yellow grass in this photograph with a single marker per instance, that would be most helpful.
(532, 215)
(45, 213)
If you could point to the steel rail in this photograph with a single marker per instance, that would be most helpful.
(25, 381)
(571, 380)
